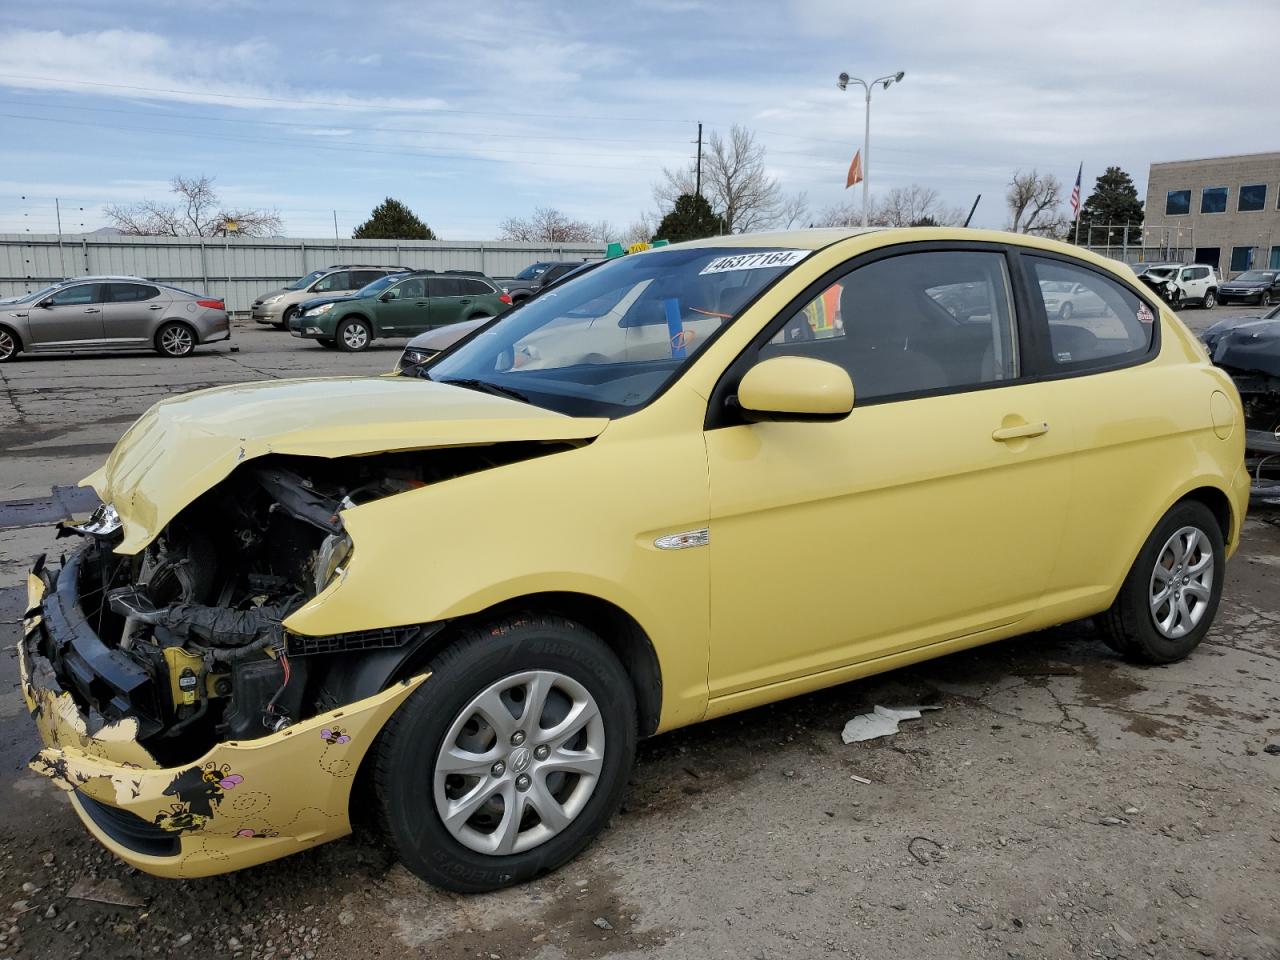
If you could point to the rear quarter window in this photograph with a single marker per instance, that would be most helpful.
(1093, 321)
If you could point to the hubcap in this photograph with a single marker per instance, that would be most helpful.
(1181, 583)
(355, 336)
(519, 762)
(7, 346)
(176, 340)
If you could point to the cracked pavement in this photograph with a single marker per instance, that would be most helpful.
(1071, 804)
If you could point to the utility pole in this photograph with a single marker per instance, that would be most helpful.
(62, 264)
(337, 244)
(698, 188)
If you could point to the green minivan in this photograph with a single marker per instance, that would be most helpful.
(399, 305)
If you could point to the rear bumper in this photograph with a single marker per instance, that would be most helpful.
(212, 327)
(290, 790)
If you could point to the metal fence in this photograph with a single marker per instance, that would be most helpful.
(238, 270)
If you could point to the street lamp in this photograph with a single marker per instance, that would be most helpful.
(843, 82)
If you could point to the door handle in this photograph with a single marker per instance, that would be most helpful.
(464, 302)
(1020, 432)
(156, 306)
(92, 310)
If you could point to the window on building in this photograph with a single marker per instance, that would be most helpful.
(1253, 198)
(1211, 256)
(1213, 200)
(1178, 202)
(1241, 259)
(1274, 263)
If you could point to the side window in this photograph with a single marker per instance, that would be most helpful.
(360, 278)
(555, 273)
(79, 294)
(130, 292)
(1101, 321)
(446, 287)
(334, 281)
(414, 287)
(910, 323)
(475, 288)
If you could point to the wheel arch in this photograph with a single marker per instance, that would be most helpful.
(364, 318)
(1219, 505)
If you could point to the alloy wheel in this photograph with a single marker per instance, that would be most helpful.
(519, 762)
(1181, 582)
(8, 345)
(355, 336)
(176, 341)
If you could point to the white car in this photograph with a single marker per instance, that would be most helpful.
(1195, 283)
(1064, 300)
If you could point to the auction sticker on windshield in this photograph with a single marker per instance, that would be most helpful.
(755, 261)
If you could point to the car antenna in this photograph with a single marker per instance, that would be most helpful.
(971, 209)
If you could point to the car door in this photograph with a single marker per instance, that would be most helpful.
(130, 312)
(333, 285)
(1194, 282)
(71, 315)
(406, 311)
(933, 511)
(446, 300)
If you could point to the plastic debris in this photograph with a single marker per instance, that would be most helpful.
(858, 778)
(881, 722)
(107, 890)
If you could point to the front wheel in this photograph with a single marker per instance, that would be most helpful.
(1210, 300)
(9, 344)
(1065, 311)
(1167, 602)
(283, 322)
(175, 339)
(1265, 299)
(353, 335)
(511, 758)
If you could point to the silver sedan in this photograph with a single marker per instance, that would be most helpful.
(103, 313)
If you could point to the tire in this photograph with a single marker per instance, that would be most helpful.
(501, 659)
(1210, 300)
(1065, 311)
(285, 318)
(175, 339)
(1264, 299)
(1138, 629)
(326, 342)
(354, 335)
(10, 345)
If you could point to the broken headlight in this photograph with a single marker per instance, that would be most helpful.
(331, 558)
(104, 522)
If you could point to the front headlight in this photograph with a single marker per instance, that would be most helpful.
(276, 299)
(331, 559)
(316, 311)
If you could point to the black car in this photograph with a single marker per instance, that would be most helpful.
(538, 276)
(1253, 286)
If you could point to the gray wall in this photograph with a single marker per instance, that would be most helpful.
(238, 270)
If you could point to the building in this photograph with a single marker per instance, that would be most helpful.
(1223, 211)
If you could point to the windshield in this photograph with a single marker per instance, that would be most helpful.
(1256, 275)
(373, 289)
(532, 272)
(607, 342)
(28, 297)
(307, 281)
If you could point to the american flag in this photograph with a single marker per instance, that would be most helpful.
(1075, 193)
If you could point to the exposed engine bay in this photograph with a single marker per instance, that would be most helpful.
(186, 636)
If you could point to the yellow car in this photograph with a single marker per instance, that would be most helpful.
(475, 589)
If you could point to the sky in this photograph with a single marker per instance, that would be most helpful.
(474, 113)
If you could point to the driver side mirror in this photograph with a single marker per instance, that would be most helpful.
(795, 388)
(47, 304)
(387, 297)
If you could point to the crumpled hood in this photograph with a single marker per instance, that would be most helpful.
(1253, 345)
(183, 446)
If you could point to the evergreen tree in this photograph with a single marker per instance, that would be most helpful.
(690, 219)
(1114, 201)
(392, 220)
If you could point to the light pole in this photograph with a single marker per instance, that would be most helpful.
(843, 82)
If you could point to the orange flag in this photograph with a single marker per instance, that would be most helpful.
(855, 170)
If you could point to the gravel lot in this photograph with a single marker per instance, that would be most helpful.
(1061, 803)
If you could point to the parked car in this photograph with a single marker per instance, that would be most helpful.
(462, 598)
(1064, 299)
(278, 307)
(425, 347)
(1140, 268)
(1259, 286)
(1183, 285)
(536, 276)
(397, 305)
(110, 313)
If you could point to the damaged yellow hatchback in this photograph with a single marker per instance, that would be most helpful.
(641, 500)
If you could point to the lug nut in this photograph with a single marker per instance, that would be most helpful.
(498, 769)
(542, 752)
(523, 782)
(517, 738)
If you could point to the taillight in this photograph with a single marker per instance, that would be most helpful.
(506, 298)
(212, 304)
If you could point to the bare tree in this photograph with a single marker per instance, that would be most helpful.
(602, 231)
(546, 225)
(1035, 202)
(793, 211)
(734, 181)
(198, 212)
(913, 206)
(848, 214)
(639, 232)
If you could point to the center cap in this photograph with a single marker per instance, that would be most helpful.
(520, 759)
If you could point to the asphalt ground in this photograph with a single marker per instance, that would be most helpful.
(1061, 803)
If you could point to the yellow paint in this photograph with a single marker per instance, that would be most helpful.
(796, 386)
(837, 549)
